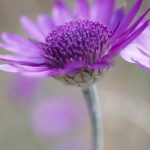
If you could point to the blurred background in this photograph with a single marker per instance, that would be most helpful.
(45, 114)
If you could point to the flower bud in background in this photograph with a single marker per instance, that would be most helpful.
(57, 116)
(138, 52)
(22, 88)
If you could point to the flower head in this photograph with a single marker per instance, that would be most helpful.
(75, 48)
(138, 52)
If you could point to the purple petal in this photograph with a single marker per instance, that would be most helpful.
(24, 68)
(104, 63)
(22, 60)
(102, 10)
(44, 74)
(61, 13)
(82, 9)
(123, 43)
(19, 45)
(128, 19)
(131, 52)
(8, 68)
(136, 24)
(143, 41)
(45, 23)
(139, 49)
(73, 66)
(117, 18)
(144, 63)
(31, 28)
(100, 66)
(14, 39)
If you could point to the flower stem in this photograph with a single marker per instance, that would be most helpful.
(92, 100)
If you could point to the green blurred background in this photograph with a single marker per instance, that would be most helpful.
(124, 93)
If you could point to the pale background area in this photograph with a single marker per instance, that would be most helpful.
(124, 93)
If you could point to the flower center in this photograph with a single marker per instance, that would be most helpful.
(77, 41)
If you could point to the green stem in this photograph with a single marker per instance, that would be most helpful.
(93, 103)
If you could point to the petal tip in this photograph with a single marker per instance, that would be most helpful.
(23, 19)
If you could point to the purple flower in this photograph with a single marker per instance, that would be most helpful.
(74, 47)
(138, 52)
(57, 116)
(22, 88)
